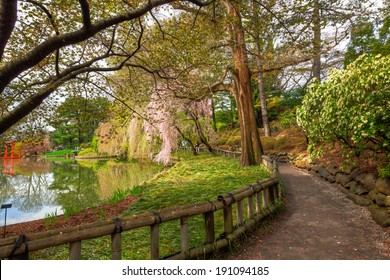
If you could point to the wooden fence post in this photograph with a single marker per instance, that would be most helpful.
(240, 212)
(209, 227)
(271, 192)
(228, 219)
(116, 246)
(155, 242)
(184, 234)
(276, 191)
(116, 240)
(259, 202)
(250, 207)
(267, 199)
(75, 250)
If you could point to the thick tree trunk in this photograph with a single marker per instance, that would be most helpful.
(251, 149)
(316, 40)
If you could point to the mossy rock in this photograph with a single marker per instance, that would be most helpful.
(381, 215)
(343, 179)
(383, 185)
(359, 200)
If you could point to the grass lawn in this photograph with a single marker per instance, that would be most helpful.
(59, 153)
(191, 180)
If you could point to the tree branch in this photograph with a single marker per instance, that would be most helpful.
(86, 13)
(47, 12)
(8, 16)
(12, 69)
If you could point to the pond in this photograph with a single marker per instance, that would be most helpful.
(42, 187)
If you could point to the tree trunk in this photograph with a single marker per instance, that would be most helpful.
(263, 101)
(201, 135)
(260, 75)
(187, 139)
(251, 149)
(316, 40)
(214, 122)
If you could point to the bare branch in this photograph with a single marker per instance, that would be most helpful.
(158, 24)
(47, 12)
(276, 17)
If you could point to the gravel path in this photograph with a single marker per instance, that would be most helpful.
(318, 223)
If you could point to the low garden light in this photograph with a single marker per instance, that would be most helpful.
(5, 206)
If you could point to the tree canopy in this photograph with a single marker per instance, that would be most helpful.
(169, 59)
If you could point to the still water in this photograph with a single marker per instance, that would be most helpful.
(41, 187)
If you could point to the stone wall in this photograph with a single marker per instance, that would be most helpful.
(362, 187)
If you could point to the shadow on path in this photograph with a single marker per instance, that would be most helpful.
(318, 223)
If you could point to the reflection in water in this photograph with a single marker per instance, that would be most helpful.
(40, 187)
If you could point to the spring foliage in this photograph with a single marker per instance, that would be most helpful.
(352, 107)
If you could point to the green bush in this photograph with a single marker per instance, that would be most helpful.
(352, 108)
(87, 152)
(288, 118)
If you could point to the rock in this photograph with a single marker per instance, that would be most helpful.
(372, 194)
(359, 200)
(380, 215)
(356, 172)
(358, 189)
(313, 173)
(348, 169)
(369, 181)
(343, 179)
(333, 169)
(316, 168)
(382, 200)
(350, 185)
(383, 185)
(326, 175)
(304, 163)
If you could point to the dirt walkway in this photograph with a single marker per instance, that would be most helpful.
(319, 222)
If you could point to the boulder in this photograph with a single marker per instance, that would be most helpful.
(303, 163)
(333, 169)
(348, 169)
(380, 215)
(343, 179)
(369, 181)
(356, 172)
(383, 185)
(316, 167)
(350, 185)
(372, 194)
(382, 200)
(359, 200)
(366, 179)
(326, 175)
(358, 189)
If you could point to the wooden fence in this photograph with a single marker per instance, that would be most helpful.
(260, 200)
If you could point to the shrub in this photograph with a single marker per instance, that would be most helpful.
(352, 108)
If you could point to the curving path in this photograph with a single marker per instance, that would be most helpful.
(318, 223)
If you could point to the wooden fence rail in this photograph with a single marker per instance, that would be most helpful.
(260, 197)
